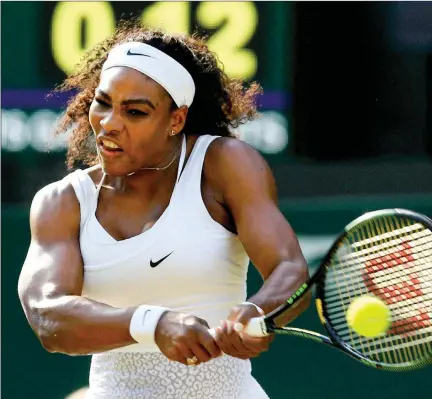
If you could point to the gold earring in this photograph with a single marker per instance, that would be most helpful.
(173, 133)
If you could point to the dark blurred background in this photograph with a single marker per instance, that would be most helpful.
(346, 126)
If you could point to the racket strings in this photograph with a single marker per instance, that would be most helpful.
(412, 324)
(421, 254)
(391, 259)
(398, 310)
(387, 259)
(422, 265)
(407, 230)
(410, 349)
(389, 251)
(423, 346)
(395, 288)
(348, 289)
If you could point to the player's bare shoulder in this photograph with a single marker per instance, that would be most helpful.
(231, 159)
(228, 147)
(55, 209)
(61, 194)
(232, 153)
(56, 195)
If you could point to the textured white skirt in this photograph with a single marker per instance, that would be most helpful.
(152, 376)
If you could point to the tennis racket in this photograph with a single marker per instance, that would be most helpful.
(385, 253)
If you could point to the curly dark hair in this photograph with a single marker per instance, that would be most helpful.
(220, 103)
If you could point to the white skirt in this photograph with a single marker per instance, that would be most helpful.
(152, 376)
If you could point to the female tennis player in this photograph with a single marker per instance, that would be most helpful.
(133, 259)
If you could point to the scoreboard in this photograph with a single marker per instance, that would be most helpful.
(43, 41)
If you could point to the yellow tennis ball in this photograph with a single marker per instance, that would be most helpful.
(369, 316)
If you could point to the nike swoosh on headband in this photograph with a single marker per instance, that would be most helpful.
(144, 55)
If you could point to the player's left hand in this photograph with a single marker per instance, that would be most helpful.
(237, 343)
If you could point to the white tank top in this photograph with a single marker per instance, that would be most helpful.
(205, 266)
(203, 273)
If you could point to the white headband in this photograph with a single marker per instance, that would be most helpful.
(157, 65)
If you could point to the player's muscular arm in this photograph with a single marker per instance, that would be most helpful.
(248, 190)
(51, 282)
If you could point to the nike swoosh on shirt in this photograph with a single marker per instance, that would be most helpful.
(144, 55)
(154, 264)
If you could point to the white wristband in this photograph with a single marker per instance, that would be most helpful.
(144, 322)
(261, 312)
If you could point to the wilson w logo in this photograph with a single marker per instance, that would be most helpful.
(399, 288)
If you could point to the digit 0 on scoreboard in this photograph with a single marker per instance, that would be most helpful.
(77, 26)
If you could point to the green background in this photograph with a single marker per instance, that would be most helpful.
(293, 368)
(328, 59)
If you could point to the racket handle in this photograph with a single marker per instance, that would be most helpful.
(255, 328)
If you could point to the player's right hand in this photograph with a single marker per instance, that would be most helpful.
(182, 336)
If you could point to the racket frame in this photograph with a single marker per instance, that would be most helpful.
(267, 324)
